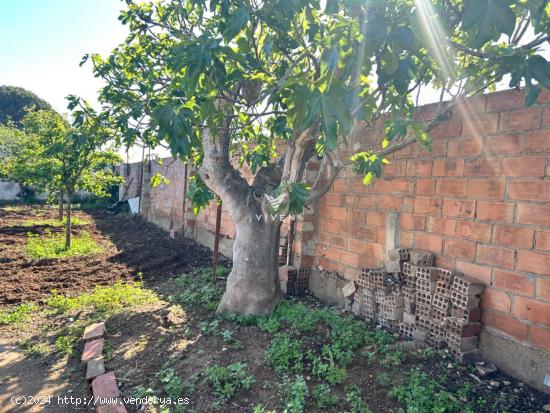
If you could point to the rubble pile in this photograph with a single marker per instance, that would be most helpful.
(423, 302)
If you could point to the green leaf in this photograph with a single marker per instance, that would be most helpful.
(488, 19)
(236, 23)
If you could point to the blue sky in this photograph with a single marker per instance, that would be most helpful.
(43, 41)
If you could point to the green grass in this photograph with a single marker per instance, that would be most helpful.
(19, 314)
(52, 222)
(53, 245)
(103, 300)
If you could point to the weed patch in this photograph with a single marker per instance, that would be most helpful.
(52, 245)
(52, 222)
(227, 381)
(19, 314)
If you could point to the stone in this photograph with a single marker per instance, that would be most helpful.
(348, 289)
(92, 349)
(409, 318)
(95, 367)
(327, 287)
(469, 356)
(105, 386)
(546, 407)
(485, 369)
(93, 331)
(494, 384)
(506, 382)
(420, 334)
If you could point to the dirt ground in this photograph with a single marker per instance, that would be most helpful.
(155, 347)
(130, 246)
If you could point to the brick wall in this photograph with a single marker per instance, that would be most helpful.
(480, 201)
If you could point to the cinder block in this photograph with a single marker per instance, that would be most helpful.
(379, 296)
(458, 329)
(438, 317)
(467, 286)
(425, 286)
(424, 311)
(393, 300)
(420, 334)
(445, 276)
(442, 303)
(424, 323)
(391, 313)
(410, 304)
(466, 316)
(406, 330)
(442, 288)
(423, 298)
(358, 302)
(465, 302)
(461, 344)
(427, 273)
(409, 270)
(421, 258)
(400, 254)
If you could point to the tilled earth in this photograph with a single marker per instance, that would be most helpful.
(132, 248)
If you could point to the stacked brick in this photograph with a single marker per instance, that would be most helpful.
(423, 302)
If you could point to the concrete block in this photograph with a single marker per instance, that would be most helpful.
(409, 318)
(458, 329)
(393, 267)
(327, 287)
(93, 331)
(424, 311)
(466, 316)
(410, 270)
(468, 357)
(425, 286)
(348, 289)
(391, 313)
(92, 350)
(409, 305)
(466, 302)
(423, 298)
(393, 300)
(427, 273)
(420, 334)
(442, 303)
(399, 254)
(461, 344)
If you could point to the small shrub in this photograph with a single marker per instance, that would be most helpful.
(53, 245)
(423, 394)
(298, 395)
(172, 384)
(227, 381)
(285, 354)
(323, 397)
(19, 314)
(51, 222)
(356, 403)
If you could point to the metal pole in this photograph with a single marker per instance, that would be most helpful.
(215, 257)
(184, 206)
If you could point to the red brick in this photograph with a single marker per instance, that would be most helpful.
(534, 214)
(473, 230)
(367, 233)
(350, 259)
(509, 99)
(486, 188)
(494, 211)
(529, 190)
(542, 240)
(482, 167)
(441, 225)
(407, 239)
(515, 236)
(356, 216)
(390, 201)
(425, 186)
(419, 168)
(439, 148)
(330, 265)
(478, 272)
(388, 186)
(451, 187)
(540, 337)
(427, 205)
(498, 256)
(351, 200)
(497, 300)
(537, 142)
(92, 349)
(337, 241)
(545, 117)
(428, 242)
(339, 185)
(474, 104)
(407, 152)
(460, 249)
(381, 235)
(464, 146)
(333, 212)
(456, 208)
(368, 201)
(411, 221)
(532, 310)
(520, 119)
(376, 218)
(506, 324)
(514, 282)
(543, 287)
(396, 168)
(479, 124)
(448, 167)
(333, 198)
(525, 166)
(93, 331)
(536, 262)
(348, 229)
(444, 262)
(357, 246)
(509, 143)
(451, 128)
(408, 204)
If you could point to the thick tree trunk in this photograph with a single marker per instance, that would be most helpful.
(61, 205)
(68, 224)
(253, 285)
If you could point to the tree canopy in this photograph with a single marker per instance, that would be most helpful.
(16, 101)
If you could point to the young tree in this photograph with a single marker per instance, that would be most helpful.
(52, 155)
(241, 78)
(15, 102)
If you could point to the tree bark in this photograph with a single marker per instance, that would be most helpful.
(253, 284)
(68, 225)
(61, 205)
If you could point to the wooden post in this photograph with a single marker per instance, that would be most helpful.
(61, 205)
(141, 179)
(184, 205)
(215, 257)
